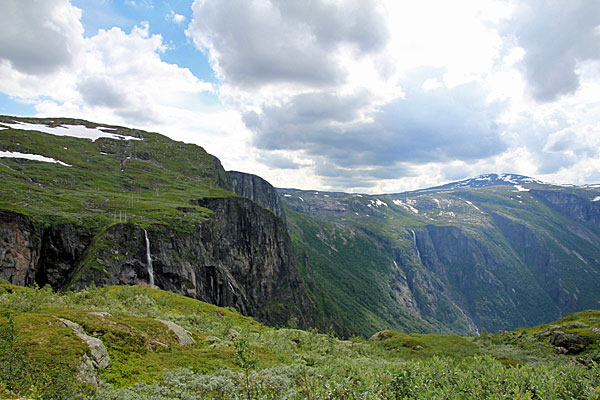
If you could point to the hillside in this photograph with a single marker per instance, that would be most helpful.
(84, 203)
(493, 252)
(131, 342)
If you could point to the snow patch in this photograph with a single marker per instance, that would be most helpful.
(409, 207)
(287, 195)
(301, 199)
(78, 131)
(521, 188)
(36, 157)
(376, 203)
(597, 198)
(474, 206)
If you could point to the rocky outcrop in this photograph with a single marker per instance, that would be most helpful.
(96, 359)
(63, 247)
(568, 343)
(221, 177)
(258, 190)
(485, 282)
(241, 257)
(20, 245)
(574, 206)
(183, 336)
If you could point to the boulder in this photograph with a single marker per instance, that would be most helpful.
(569, 342)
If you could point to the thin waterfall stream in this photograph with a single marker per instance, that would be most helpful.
(149, 260)
(416, 247)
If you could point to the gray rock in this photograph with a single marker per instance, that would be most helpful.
(568, 343)
(95, 359)
(258, 190)
(184, 337)
(102, 314)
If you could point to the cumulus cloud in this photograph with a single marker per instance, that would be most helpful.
(117, 74)
(278, 160)
(177, 18)
(556, 36)
(260, 42)
(423, 126)
(39, 37)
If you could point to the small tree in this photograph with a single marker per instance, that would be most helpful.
(245, 357)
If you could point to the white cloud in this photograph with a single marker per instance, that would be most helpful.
(282, 46)
(176, 18)
(117, 75)
(39, 38)
(556, 36)
(370, 95)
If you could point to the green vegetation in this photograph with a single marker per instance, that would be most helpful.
(235, 357)
(147, 181)
(493, 257)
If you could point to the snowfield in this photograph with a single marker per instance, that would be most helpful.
(78, 131)
(36, 157)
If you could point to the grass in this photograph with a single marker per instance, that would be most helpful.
(148, 362)
(151, 180)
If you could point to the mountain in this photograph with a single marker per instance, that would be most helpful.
(484, 181)
(84, 203)
(493, 252)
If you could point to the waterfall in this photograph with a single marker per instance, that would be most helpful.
(416, 247)
(149, 260)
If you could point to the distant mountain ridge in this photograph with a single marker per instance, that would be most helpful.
(495, 251)
(486, 180)
(85, 203)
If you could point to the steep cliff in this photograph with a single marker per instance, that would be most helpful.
(257, 189)
(131, 207)
(241, 257)
(493, 252)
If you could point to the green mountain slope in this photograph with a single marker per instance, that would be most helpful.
(151, 179)
(496, 252)
(228, 356)
(83, 203)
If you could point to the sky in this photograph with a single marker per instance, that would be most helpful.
(373, 96)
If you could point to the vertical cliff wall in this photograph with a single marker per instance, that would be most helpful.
(258, 190)
(240, 257)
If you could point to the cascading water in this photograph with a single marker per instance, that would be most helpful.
(416, 247)
(149, 260)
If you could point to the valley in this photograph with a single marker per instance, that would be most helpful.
(196, 282)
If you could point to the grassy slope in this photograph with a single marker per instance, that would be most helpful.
(152, 180)
(286, 363)
(352, 272)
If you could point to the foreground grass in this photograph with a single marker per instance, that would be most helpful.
(237, 358)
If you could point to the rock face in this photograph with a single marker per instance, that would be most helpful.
(493, 252)
(257, 189)
(183, 336)
(568, 343)
(575, 206)
(241, 257)
(20, 248)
